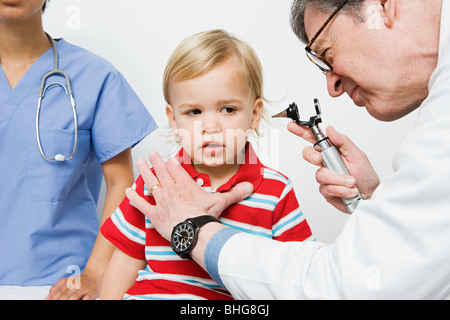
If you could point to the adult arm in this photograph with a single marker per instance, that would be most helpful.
(180, 198)
(118, 173)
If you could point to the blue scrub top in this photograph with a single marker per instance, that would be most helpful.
(48, 216)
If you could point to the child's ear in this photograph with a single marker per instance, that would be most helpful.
(258, 107)
(171, 117)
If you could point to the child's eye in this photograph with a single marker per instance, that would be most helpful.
(228, 109)
(193, 112)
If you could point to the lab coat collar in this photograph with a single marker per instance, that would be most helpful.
(251, 170)
(444, 37)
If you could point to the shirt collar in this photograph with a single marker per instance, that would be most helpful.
(251, 170)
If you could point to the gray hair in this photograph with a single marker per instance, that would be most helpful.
(298, 8)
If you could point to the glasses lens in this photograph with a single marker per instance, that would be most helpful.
(318, 61)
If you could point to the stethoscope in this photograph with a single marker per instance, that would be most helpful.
(43, 89)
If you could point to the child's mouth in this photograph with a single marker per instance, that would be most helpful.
(212, 148)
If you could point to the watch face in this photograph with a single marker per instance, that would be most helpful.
(183, 237)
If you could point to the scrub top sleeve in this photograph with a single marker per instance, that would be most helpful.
(121, 120)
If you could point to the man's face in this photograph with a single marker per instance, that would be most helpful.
(368, 63)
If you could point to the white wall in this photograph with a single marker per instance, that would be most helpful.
(137, 36)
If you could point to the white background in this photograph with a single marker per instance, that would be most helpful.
(137, 37)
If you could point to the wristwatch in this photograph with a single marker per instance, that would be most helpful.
(184, 235)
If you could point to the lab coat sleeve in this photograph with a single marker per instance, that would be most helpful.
(394, 246)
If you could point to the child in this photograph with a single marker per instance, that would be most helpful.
(213, 87)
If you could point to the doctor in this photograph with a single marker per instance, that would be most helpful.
(48, 216)
(396, 244)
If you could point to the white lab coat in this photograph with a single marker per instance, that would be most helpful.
(395, 246)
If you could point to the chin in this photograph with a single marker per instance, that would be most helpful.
(383, 116)
(386, 113)
(211, 162)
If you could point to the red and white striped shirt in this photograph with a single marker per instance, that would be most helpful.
(271, 211)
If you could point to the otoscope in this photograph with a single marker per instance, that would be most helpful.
(331, 157)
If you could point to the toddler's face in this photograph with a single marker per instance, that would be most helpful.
(213, 115)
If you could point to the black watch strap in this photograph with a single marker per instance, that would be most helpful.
(202, 220)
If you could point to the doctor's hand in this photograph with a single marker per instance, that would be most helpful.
(179, 196)
(334, 186)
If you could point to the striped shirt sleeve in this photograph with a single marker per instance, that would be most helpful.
(126, 226)
(289, 223)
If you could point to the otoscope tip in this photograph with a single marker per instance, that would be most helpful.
(282, 114)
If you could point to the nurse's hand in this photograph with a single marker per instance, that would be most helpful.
(179, 196)
(85, 287)
(334, 186)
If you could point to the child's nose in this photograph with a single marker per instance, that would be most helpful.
(211, 125)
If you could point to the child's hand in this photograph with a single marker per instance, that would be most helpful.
(334, 186)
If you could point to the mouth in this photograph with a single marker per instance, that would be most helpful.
(212, 148)
(353, 96)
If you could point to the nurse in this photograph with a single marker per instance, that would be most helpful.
(48, 217)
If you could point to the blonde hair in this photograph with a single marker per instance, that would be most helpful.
(200, 53)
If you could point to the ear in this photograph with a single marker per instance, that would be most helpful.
(389, 12)
(258, 107)
(171, 117)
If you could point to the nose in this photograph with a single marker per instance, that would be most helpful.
(210, 130)
(210, 124)
(334, 84)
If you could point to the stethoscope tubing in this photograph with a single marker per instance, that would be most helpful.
(68, 90)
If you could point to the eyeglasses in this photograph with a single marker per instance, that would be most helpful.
(318, 59)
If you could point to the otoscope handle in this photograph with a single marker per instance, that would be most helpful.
(331, 159)
(330, 155)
